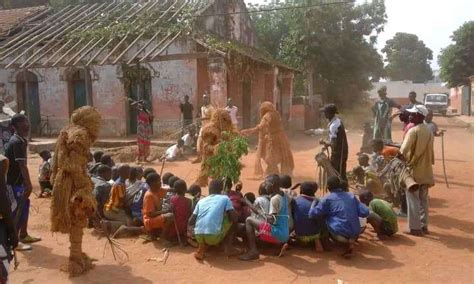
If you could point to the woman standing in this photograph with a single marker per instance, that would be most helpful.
(144, 131)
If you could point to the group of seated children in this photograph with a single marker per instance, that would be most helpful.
(280, 218)
(133, 200)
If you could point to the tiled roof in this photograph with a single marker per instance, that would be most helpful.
(12, 18)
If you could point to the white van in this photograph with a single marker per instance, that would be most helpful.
(438, 103)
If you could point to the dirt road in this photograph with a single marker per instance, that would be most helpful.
(446, 255)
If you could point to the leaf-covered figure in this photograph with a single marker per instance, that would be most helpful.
(219, 130)
(226, 161)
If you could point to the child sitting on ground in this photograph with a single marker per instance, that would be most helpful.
(194, 192)
(364, 160)
(238, 203)
(181, 208)
(165, 180)
(262, 202)
(307, 230)
(367, 179)
(96, 155)
(290, 194)
(45, 174)
(137, 203)
(133, 185)
(155, 217)
(382, 217)
(174, 153)
(102, 187)
(189, 141)
(114, 209)
(274, 229)
(212, 221)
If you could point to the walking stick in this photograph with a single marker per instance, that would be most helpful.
(162, 166)
(444, 161)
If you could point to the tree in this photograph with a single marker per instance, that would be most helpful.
(457, 60)
(408, 59)
(335, 43)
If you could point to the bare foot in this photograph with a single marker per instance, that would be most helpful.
(284, 247)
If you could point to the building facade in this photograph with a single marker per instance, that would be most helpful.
(48, 71)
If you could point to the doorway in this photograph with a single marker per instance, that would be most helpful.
(137, 87)
(28, 98)
(77, 89)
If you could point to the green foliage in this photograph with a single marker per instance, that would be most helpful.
(226, 162)
(457, 60)
(334, 42)
(408, 59)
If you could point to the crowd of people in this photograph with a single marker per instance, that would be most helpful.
(133, 200)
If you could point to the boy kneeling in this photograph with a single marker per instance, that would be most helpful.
(212, 220)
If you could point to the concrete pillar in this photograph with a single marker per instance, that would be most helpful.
(217, 81)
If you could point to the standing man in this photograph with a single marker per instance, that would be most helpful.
(382, 111)
(412, 100)
(337, 140)
(417, 150)
(206, 113)
(187, 109)
(232, 110)
(18, 177)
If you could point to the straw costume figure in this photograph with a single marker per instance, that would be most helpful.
(72, 201)
(273, 146)
(211, 137)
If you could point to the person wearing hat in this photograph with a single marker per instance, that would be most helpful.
(417, 151)
(337, 140)
(382, 111)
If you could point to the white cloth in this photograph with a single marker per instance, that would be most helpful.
(188, 141)
(233, 114)
(172, 152)
(333, 127)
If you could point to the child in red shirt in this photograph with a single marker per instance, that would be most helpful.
(181, 208)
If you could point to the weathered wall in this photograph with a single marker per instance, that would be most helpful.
(108, 96)
(237, 26)
(175, 80)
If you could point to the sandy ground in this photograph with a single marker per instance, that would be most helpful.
(446, 255)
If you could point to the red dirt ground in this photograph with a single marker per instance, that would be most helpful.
(446, 255)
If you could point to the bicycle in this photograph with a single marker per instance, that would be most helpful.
(45, 127)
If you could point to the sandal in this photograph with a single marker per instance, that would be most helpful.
(29, 239)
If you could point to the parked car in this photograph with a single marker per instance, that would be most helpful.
(438, 103)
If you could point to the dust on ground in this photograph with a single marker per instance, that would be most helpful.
(446, 255)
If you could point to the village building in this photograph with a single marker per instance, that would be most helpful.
(54, 61)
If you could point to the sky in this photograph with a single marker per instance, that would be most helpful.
(433, 21)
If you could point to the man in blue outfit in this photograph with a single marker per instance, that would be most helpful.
(341, 211)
